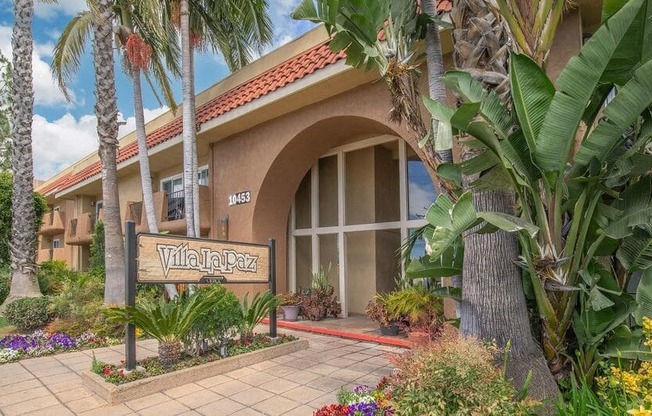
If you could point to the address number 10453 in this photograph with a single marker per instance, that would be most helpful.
(240, 198)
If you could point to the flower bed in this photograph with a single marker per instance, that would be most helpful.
(116, 374)
(362, 401)
(40, 343)
(125, 391)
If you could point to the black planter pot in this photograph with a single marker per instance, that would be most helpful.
(390, 330)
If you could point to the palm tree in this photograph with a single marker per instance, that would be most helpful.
(494, 305)
(23, 246)
(237, 30)
(135, 22)
(106, 111)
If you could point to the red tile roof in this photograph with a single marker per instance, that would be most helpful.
(277, 77)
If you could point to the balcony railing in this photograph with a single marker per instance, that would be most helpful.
(169, 211)
(176, 206)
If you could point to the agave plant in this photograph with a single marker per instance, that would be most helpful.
(168, 321)
(252, 313)
(579, 163)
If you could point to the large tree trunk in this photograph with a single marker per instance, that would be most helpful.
(143, 159)
(23, 242)
(106, 111)
(493, 306)
(189, 127)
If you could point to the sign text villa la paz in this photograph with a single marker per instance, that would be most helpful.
(167, 259)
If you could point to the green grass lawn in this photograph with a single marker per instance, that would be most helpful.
(5, 328)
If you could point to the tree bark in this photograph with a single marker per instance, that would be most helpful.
(188, 119)
(23, 242)
(494, 306)
(106, 111)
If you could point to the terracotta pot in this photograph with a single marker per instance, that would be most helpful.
(290, 312)
(389, 330)
(418, 338)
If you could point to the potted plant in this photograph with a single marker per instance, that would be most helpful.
(320, 301)
(290, 305)
(377, 312)
(419, 310)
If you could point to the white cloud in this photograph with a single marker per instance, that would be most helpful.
(58, 144)
(65, 7)
(46, 92)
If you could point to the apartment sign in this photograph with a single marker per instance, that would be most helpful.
(170, 259)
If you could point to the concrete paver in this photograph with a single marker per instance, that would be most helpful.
(292, 385)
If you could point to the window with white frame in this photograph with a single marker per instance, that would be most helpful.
(56, 243)
(352, 210)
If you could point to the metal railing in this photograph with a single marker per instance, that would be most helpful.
(73, 227)
(176, 205)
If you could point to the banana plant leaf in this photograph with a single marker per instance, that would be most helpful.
(576, 85)
(635, 47)
(626, 344)
(644, 297)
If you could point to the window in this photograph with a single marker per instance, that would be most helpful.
(202, 175)
(174, 183)
(98, 207)
(56, 209)
(56, 244)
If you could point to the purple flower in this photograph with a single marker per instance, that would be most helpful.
(361, 389)
(364, 409)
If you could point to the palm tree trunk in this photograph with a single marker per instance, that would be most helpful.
(436, 88)
(188, 119)
(106, 110)
(23, 244)
(493, 306)
(143, 158)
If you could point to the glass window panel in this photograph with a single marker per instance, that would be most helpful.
(386, 182)
(329, 259)
(421, 192)
(303, 261)
(302, 204)
(328, 191)
(358, 184)
(360, 269)
(419, 247)
(372, 184)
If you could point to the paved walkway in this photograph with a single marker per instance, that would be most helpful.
(295, 384)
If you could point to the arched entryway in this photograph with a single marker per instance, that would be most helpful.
(348, 191)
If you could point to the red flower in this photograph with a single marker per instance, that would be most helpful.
(333, 410)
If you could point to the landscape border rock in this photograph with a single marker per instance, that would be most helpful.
(115, 394)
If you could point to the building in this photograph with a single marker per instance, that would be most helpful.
(296, 146)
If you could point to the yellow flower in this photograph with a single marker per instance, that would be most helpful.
(641, 411)
(647, 324)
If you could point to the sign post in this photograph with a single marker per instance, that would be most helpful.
(130, 292)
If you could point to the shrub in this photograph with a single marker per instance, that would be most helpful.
(452, 377)
(251, 314)
(5, 283)
(52, 274)
(28, 313)
(97, 267)
(221, 320)
(78, 308)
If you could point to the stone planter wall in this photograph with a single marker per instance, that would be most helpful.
(124, 392)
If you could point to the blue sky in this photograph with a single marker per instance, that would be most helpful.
(64, 132)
